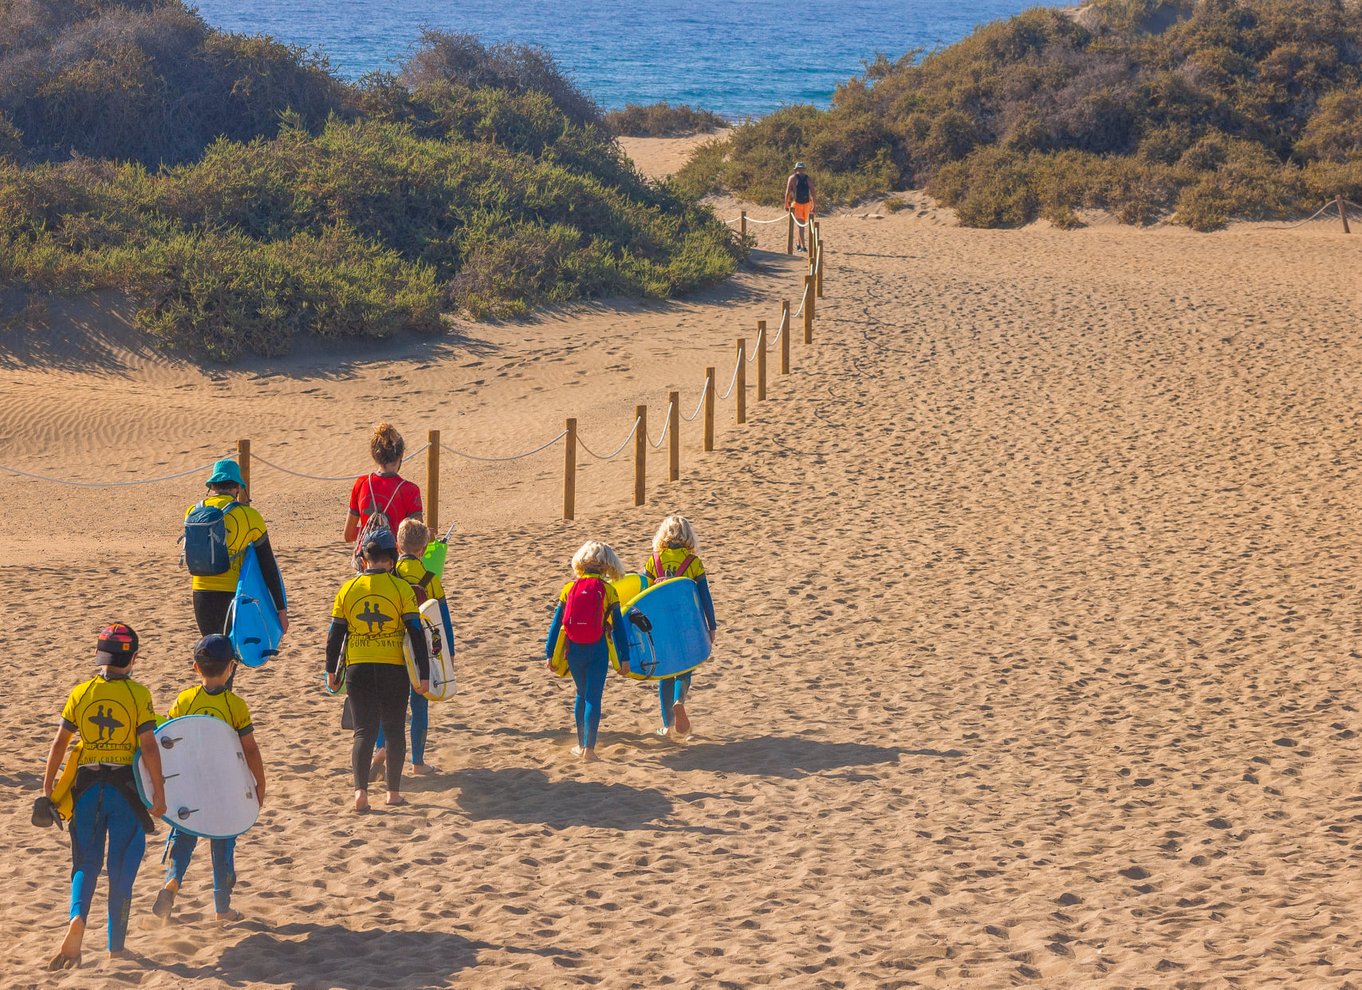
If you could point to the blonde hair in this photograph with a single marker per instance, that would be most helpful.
(677, 532)
(595, 557)
(412, 536)
(386, 446)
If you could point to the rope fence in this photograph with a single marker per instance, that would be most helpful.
(1337, 207)
(792, 222)
(570, 436)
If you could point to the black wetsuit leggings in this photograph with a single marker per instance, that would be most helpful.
(378, 696)
(210, 611)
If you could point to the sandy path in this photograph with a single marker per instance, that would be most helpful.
(1036, 584)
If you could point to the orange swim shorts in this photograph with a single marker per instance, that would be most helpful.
(802, 211)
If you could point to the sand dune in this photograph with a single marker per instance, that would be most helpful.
(1038, 662)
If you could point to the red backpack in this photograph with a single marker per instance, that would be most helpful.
(584, 611)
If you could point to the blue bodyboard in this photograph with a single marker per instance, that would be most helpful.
(256, 630)
(678, 640)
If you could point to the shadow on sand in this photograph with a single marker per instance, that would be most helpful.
(332, 956)
(789, 756)
(528, 796)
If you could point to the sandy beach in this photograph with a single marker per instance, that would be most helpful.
(1038, 653)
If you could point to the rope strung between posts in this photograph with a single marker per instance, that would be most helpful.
(322, 477)
(699, 405)
(112, 484)
(614, 453)
(756, 347)
(666, 425)
(732, 383)
(1327, 206)
(497, 460)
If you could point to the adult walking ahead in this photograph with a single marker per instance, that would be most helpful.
(223, 527)
(381, 499)
(799, 199)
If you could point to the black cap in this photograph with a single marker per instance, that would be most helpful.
(214, 647)
(117, 645)
(380, 541)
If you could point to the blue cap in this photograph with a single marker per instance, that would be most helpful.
(381, 540)
(226, 471)
(214, 647)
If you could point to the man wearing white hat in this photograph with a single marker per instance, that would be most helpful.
(799, 199)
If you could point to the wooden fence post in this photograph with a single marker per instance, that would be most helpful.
(674, 424)
(818, 272)
(740, 383)
(243, 459)
(1343, 214)
(641, 455)
(808, 309)
(761, 360)
(789, 235)
(570, 471)
(785, 336)
(744, 230)
(709, 409)
(433, 481)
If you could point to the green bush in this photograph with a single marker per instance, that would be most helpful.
(662, 120)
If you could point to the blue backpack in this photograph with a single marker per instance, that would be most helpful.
(205, 540)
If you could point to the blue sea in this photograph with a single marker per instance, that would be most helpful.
(736, 57)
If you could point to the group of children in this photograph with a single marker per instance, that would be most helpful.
(583, 645)
(112, 716)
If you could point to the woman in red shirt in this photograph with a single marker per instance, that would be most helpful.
(384, 490)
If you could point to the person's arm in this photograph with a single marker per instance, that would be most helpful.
(620, 636)
(554, 627)
(151, 759)
(54, 755)
(269, 570)
(706, 603)
(251, 750)
(335, 639)
(789, 192)
(351, 527)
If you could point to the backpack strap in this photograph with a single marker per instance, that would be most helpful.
(685, 565)
(426, 578)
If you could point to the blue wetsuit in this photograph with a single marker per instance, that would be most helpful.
(182, 846)
(589, 663)
(103, 815)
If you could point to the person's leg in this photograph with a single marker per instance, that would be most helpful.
(224, 877)
(665, 699)
(393, 713)
(127, 843)
(182, 846)
(595, 688)
(210, 611)
(420, 722)
(679, 717)
(578, 667)
(87, 859)
(364, 705)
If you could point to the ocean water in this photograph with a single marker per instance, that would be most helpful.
(736, 57)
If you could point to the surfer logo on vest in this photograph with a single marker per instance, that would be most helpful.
(374, 616)
(104, 725)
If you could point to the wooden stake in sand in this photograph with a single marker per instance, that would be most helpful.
(789, 236)
(570, 470)
(433, 480)
(741, 382)
(818, 271)
(784, 333)
(743, 230)
(761, 360)
(674, 424)
(709, 409)
(1343, 214)
(641, 455)
(243, 458)
(808, 309)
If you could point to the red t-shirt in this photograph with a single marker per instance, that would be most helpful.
(392, 494)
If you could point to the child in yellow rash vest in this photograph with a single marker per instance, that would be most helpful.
(675, 555)
(412, 537)
(214, 661)
(114, 717)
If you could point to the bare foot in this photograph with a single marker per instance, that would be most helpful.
(680, 720)
(395, 800)
(227, 917)
(423, 769)
(577, 751)
(361, 801)
(589, 756)
(68, 956)
(165, 900)
(663, 731)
